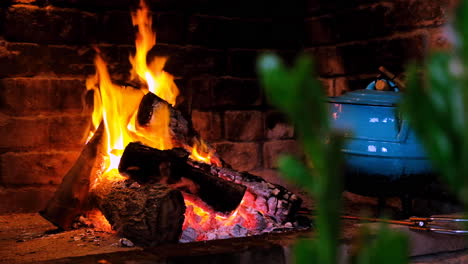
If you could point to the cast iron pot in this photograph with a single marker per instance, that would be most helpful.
(382, 154)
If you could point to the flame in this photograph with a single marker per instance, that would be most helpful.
(114, 105)
(159, 82)
(99, 221)
(200, 151)
(117, 106)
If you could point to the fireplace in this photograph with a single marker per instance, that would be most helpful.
(47, 52)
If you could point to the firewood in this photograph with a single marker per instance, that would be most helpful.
(71, 196)
(273, 199)
(181, 130)
(221, 195)
(145, 164)
(148, 215)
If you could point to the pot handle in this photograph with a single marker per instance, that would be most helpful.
(403, 130)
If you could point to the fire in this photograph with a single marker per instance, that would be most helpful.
(116, 107)
(99, 221)
(200, 151)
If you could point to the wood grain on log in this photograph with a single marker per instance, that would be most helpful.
(71, 196)
(148, 215)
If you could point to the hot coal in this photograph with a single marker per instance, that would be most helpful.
(272, 200)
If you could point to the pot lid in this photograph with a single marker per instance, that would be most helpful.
(368, 97)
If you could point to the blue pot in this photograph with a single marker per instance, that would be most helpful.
(381, 148)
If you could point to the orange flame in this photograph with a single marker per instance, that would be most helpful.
(117, 106)
(200, 151)
(99, 221)
(114, 105)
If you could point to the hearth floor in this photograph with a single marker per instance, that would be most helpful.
(27, 238)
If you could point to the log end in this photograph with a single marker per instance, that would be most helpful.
(148, 215)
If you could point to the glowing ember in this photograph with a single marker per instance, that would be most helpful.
(99, 221)
(209, 224)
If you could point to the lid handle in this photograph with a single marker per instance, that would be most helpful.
(392, 77)
(382, 85)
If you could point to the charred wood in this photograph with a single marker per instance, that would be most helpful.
(273, 199)
(148, 215)
(71, 196)
(222, 195)
(145, 164)
(181, 130)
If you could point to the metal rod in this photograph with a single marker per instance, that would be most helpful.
(379, 220)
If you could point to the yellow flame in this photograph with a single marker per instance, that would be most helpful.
(159, 82)
(114, 105)
(157, 133)
(200, 151)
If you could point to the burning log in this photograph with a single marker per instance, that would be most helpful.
(272, 199)
(144, 164)
(157, 119)
(148, 215)
(222, 195)
(71, 196)
(150, 117)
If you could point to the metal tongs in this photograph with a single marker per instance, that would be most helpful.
(433, 224)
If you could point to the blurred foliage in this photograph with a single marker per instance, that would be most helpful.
(301, 97)
(388, 247)
(436, 105)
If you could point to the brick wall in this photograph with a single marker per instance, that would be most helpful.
(351, 39)
(46, 54)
